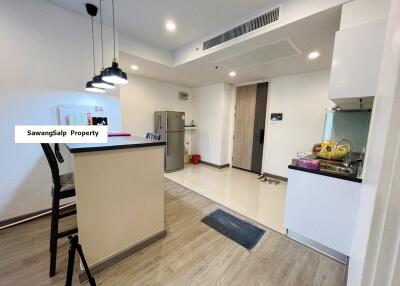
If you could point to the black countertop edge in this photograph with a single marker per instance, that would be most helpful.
(322, 173)
(113, 147)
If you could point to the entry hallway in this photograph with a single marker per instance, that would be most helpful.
(237, 190)
(191, 254)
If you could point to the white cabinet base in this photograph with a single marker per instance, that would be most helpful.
(322, 209)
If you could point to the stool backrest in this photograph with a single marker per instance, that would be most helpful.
(153, 136)
(52, 160)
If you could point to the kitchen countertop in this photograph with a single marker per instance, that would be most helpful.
(328, 174)
(113, 144)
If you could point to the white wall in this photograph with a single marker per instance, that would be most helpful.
(209, 106)
(212, 113)
(46, 57)
(303, 99)
(363, 11)
(131, 45)
(376, 237)
(142, 96)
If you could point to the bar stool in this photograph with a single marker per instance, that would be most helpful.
(63, 187)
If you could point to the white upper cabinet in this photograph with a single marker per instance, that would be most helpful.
(356, 61)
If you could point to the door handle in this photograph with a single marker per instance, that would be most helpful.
(261, 136)
(166, 122)
(166, 143)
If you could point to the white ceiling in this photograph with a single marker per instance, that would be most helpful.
(248, 59)
(145, 19)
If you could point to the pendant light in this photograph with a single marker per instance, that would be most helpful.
(97, 80)
(114, 74)
(92, 11)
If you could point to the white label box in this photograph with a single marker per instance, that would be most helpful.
(61, 134)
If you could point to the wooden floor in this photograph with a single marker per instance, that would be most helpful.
(191, 254)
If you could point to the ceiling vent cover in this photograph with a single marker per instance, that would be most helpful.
(254, 24)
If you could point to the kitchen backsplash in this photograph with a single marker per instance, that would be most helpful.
(351, 125)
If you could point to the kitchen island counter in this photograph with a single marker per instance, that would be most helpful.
(113, 144)
(119, 198)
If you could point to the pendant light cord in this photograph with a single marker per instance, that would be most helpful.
(113, 25)
(94, 60)
(101, 36)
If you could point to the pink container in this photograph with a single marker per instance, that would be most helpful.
(308, 163)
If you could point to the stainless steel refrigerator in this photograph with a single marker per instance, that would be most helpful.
(171, 126)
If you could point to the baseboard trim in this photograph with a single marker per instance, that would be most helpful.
(346, 272)
(342, 258)
(29, 217)
(118, 257)
(250, 171)
(284, 179)
(214, 165)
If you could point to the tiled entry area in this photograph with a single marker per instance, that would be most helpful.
(238, 190)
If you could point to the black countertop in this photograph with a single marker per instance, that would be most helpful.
(328, 174)
(123, 142)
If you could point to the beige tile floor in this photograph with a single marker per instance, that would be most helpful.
(238, 190)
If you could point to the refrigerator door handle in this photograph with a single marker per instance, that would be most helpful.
(166, 143)
(166, 122)
(158, 124)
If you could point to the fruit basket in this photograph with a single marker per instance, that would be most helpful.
(331, 151)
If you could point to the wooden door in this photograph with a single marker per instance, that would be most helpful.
(259, 127)
(244, 126)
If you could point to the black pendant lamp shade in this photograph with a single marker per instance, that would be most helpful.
(97, 80)
(100, 83)
(92, 11)
(114, 74)
(91, 88)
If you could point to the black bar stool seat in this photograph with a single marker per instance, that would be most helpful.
(67, 183)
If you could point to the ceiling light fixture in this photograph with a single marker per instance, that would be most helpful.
(114, 74)
(313, 55)
(232, 74)
(134, 67)
(97, 80)
(170, 26)
(92, 11)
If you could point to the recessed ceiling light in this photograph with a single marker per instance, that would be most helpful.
(170, 26)
(232, 74)
(313, 55)
(134, 67)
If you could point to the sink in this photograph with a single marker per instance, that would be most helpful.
(337, 169)
(333, 163)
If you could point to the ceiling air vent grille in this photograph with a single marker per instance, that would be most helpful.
(254, 24)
